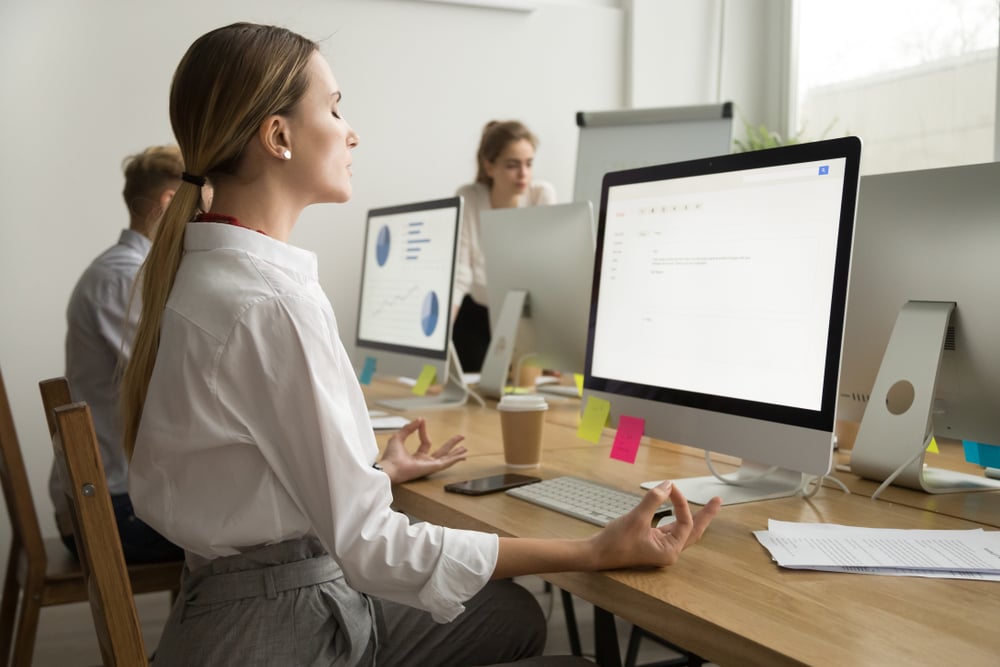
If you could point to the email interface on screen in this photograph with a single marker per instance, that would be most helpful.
(721, 284)
(407, 279)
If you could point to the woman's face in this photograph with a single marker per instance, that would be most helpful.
(511, 171)
(321, 140)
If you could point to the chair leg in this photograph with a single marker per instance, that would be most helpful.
(8, 605)
(27, 627)
(27, 622)
(571, 627)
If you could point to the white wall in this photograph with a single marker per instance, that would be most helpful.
(684, 52)
(85, 84)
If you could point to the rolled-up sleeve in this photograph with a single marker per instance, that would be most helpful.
(285, 386)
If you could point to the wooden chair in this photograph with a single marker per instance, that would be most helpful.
(79, 461)
(41, 572)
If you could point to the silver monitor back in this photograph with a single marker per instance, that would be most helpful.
(547, 251)
(930, 235)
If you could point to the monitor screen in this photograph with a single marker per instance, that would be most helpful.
(718, 300)
(925, 237)
(548, 252)
(406, 288)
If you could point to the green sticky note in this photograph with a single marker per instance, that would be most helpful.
(596, 414)
(578, 379)
(933, 448)
(425, 380)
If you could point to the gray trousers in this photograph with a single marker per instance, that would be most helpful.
(289, 605)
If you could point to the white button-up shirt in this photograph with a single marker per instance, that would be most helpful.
(255, 430)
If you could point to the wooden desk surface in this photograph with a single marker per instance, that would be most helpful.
(726, 600)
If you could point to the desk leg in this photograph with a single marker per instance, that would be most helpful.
(606, 639)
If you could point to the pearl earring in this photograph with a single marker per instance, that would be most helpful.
(287, 154)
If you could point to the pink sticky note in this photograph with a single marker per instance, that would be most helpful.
(626, 444)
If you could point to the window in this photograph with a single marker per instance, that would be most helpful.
(915, 79)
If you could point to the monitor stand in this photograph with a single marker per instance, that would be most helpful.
(893, 435)
(752, 481)
(453, 394)
(496, 365)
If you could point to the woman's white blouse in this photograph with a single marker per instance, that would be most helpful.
(255, 430)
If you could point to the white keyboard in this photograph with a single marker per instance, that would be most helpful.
(582, 499)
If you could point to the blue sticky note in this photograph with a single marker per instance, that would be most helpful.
(368, 371)
(982, 454)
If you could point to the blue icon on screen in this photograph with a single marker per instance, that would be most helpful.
(824, 170)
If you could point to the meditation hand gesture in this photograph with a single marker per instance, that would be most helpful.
(630, 540)
(403, 466)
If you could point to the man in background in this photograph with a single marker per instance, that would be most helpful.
(102, 316)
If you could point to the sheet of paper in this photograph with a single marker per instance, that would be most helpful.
(845, 548)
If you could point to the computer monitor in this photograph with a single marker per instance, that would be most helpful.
(718, 308)
(407, 277)
(539, 267)
(923, 308)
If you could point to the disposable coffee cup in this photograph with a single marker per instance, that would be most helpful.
(521, 420)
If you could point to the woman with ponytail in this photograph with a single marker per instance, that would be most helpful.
(249, 438)
(505, 163)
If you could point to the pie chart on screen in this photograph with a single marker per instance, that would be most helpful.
(429, 313)
(382, 246)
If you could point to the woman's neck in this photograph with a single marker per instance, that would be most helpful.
(257, 207)
(503, 199)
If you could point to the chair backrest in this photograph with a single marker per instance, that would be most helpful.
(16, 490)
(108, 588)
(55, 394)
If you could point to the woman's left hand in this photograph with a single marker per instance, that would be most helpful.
(404, 466)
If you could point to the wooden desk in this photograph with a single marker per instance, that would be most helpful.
(725, 600)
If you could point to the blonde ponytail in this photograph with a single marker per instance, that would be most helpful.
(229, 82)
(155, 278)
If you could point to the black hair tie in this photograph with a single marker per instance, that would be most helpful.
(191, 178)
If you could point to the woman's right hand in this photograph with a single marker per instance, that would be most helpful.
(631, 540)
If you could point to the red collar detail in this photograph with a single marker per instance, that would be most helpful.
(224, 219)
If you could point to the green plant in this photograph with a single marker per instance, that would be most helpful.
(760, 137)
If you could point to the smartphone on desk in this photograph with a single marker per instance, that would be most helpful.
(492, 484)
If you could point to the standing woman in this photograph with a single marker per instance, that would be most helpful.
(249, 438)
(505, 163)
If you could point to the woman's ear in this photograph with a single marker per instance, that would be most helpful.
(275, 137)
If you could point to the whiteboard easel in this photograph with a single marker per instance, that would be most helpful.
(619, 140)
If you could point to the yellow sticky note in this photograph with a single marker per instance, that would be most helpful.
(425, 380)
(596, 414)
(933, 448)
(578, 379)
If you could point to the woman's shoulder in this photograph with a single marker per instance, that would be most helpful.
(472, 190)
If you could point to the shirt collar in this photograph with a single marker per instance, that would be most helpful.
(136, 241)
(218, 236)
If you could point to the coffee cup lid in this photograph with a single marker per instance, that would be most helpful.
(522, 402)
